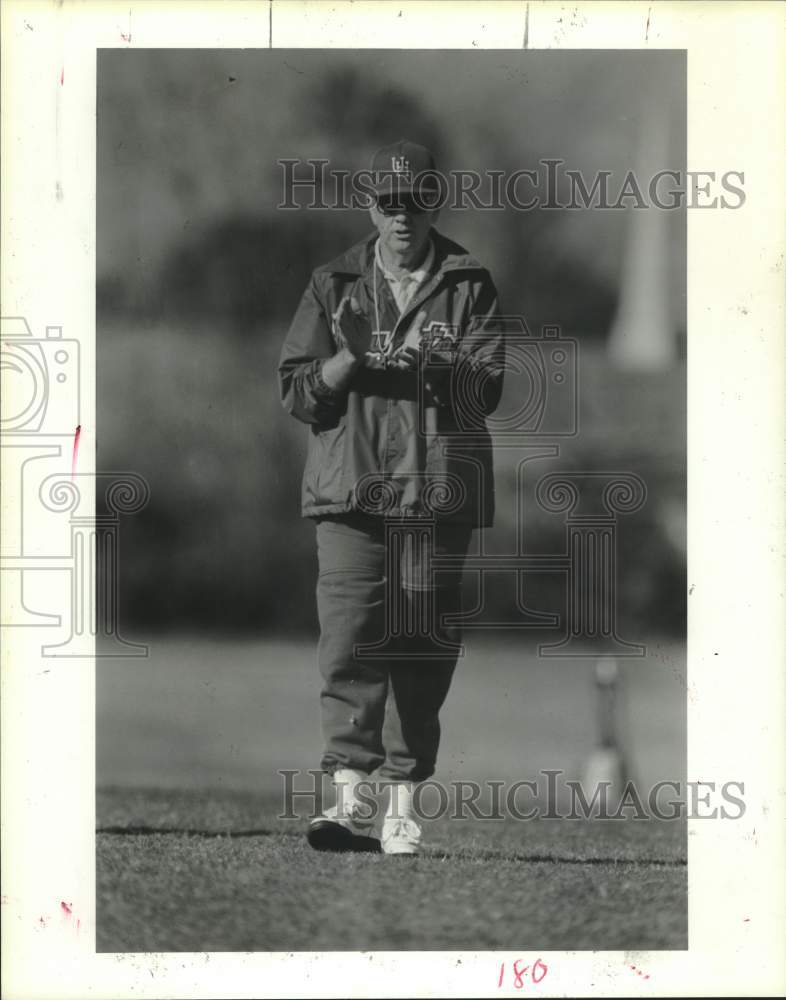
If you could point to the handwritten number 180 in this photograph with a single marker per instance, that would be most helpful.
(537, 972)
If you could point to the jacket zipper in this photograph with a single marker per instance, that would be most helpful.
(415, 304)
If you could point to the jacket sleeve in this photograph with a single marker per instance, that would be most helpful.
(480, 367)
(309, 342)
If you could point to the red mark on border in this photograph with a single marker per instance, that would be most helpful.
(62, 75)
(68, 911)
(639, 972)
(75, 452)
(125, 37)
(537, 973)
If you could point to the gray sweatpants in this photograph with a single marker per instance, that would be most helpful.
(386, 654)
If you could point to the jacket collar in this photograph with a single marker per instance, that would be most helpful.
(419, 274)
(359, 259)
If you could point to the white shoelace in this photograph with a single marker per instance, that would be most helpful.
(405, 829)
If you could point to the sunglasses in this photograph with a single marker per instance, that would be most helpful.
(402, 203)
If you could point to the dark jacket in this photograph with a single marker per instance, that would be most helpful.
(393, 443)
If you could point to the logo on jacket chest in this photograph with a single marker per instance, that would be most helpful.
(436, 336)
(380, 340)
(439, 336)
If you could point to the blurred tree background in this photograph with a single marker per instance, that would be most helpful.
(199, 273)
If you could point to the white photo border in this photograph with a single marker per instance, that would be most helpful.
(736, 296)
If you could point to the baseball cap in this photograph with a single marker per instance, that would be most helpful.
(396, 168)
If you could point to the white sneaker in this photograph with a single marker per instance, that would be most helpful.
(400, 836)
(344, 830)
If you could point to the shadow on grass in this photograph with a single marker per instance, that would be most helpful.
(430, 853)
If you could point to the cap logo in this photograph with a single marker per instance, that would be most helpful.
(400, 164)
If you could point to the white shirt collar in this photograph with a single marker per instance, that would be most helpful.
(419, 276)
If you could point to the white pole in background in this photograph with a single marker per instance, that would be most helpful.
(643, 336)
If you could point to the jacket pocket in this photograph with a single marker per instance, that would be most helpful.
(328, 466)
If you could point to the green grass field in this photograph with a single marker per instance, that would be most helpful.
(191, 854)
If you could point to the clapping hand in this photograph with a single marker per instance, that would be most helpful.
(350, 327)
(406, 359)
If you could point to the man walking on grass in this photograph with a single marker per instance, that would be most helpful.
(394, 359)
